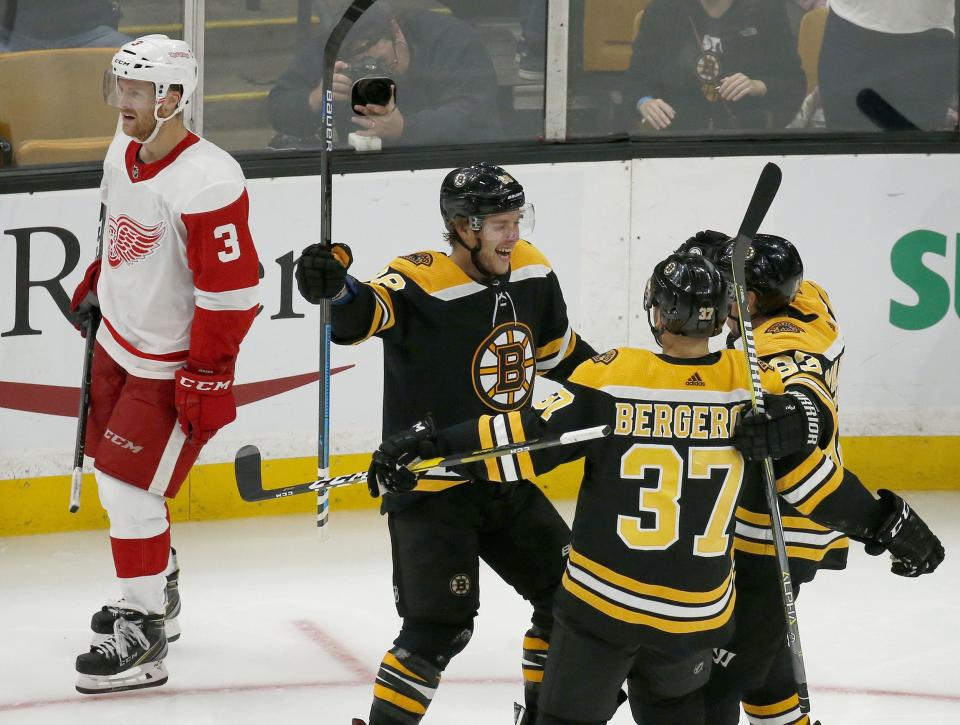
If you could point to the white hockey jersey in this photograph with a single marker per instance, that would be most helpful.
(179, 271)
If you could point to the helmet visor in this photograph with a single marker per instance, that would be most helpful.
(128, 93)
(506, 225)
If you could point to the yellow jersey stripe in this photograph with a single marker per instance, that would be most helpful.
(485, 428)
(433, 485)
(776, 708)
(519, 435)
(383, 692)
(532, 675)
(652, 590)
(793, 552)
(390, 659)
(535, 643)
(828, 486)
(632, 617)
(789, 522)
(801, 472)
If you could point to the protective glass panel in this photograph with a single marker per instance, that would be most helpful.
(654, 68)
(52, 108)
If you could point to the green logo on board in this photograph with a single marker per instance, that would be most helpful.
(932, 290)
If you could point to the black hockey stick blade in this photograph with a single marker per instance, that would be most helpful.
(246, 465)
(246, 468)
(763, 195)
(884, 116)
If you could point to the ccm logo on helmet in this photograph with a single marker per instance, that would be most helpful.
(203, 386)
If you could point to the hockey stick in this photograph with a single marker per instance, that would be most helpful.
(79, 445)
(884, 116)
(330, 51)
(763, 195)
(250, 484)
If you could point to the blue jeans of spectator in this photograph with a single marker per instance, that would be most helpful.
(101, 36)
(916, 73)
(533, 26)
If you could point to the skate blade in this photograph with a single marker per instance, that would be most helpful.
(152, 674)
(171, 628)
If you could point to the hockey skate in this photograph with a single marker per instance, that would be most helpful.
(129, 659)
(102, 622)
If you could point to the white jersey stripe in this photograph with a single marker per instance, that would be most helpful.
(813, 481)
(501, 437)
(238, 299)
(650, 606)
(168, 461)
(677, 396)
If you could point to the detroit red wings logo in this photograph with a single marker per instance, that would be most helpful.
(130, 241)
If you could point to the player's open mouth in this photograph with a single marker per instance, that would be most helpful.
(128, 117)
(504, 253)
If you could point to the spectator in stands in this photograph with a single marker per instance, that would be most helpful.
(446, 86)
(905, 51)
(41, 24)
(703, 65)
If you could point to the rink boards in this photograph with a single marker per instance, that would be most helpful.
(880, 233)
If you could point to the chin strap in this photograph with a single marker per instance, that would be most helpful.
(474, 257)
(160, 121)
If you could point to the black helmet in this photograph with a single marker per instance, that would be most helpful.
(709, 243)
(691, 294)
(773, 270)
(478, 191)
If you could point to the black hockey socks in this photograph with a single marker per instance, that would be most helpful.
(404, 688)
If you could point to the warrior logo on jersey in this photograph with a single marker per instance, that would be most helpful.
(423, 259)
(783, 326)
(130, 241)
(503, 367)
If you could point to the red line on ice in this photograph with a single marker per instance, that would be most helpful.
(168, 692)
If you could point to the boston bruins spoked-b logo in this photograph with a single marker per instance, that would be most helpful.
(503, 367)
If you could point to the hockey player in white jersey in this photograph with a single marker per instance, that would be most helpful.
(176, 289)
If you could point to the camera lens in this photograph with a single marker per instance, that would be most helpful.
(374, 91)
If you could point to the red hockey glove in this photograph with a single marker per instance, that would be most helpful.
(204, 401)
(84, 304)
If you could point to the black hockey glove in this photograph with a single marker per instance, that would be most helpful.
(708, 243)
(915, 549)
(388, 469)
(321, 273)
(788, 425)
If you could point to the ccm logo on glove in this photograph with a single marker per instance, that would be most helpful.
(204, 386)
(204, 401)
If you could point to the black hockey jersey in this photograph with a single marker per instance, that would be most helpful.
(805, 346)
(651, 555)
(456, 348)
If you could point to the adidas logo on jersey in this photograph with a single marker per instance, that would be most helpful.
(695, 379)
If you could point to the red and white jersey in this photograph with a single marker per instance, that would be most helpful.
(179, 270)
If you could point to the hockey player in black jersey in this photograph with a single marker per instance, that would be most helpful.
(648, 589)
(464, 332)
(796, 334)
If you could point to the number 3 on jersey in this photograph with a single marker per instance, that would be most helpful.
(663, 501)
(227, 233)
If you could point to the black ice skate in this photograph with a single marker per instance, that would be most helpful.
(102, 622)
(129, 659)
